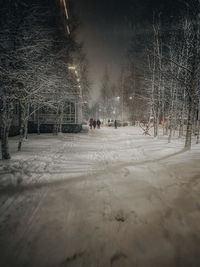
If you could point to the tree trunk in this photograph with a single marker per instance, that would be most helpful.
(188, 139)
(170, 131)
(4, 142)
(192, 90)
(61, 120)
(38, 122)
(56, 124)
(156, 127)
(21, 137)
(181, 129)
(163, 125)
(6, 116)
(170, 125)
(21, 130)
(198, 131)
(181, 125)
(26, 130)
(167, 126)
(26, 123)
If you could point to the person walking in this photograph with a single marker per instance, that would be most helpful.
(115, 124)
(94, 124)
(98, 124)
(91, 123)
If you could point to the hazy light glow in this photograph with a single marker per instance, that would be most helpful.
(76, 73)
(68, 31)
(66, 15)
(72, 67)
(66, 11)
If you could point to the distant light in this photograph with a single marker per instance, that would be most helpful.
(130, 97)
(78, 80)
(79, 86)
(72, 67)
(118, 97)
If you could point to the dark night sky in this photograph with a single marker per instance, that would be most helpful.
(106, 30)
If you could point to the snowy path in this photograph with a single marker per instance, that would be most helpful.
(81, 154)
(109, 198)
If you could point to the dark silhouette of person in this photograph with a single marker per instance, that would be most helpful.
(94, 124)
(115, 124)
(98, 124)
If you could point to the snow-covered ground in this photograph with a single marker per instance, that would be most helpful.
(47, 158)
(112, 197)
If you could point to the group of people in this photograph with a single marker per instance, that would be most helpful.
(97, 123)
(93, 123)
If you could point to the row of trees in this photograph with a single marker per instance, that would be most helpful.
(36, 50)
(162, 74)
(109, 99)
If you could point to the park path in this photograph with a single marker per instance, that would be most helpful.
(128, 200)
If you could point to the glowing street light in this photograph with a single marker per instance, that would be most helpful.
(72, 67)
(130, 97)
